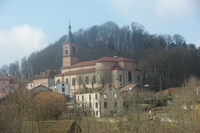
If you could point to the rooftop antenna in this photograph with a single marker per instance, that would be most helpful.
(69, 20)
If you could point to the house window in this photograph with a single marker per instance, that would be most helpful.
(115, 104)
(58, 80)
(3, 82)
(83, 105)
(129, 76)
(63, 85)
(42, 83)
(30, 85)
(82, 97)
(67, 81)
(105, 96)
(74, 49)
(94, 79)
(66, 49)
(90, 105)
(138, 78)
(90, 97)
(63, 89)
(3, 88)
(78, 98)
(116, 95)
(105, 104)
(96, 113)
(120, 78)
(35, 85)
(73, 81)
(96, 96)
(87, 80)
(45, 84)
(96, 105)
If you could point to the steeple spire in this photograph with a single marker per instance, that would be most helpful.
(69, 37)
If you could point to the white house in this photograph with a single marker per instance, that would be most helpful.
(62, 88)
(107, 102)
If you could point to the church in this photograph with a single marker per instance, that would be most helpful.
(118, 71)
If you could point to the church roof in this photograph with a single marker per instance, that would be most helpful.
(80, 64)
(104, 59)
(69, 37)
(77, 72)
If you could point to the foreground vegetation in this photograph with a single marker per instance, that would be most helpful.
(46, 112)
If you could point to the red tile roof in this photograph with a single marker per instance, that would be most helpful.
(91, 63)
(176, 90)
(48, 74)
(3, 77)
(103, 59)
(117, 68)
(77, 72)
(127, 87)
(81, 64)
(124, 59)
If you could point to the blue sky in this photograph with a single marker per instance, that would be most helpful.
(30, 25)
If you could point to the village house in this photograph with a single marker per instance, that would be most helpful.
(45, 78)
(61, 88)
(106, 102)
(118, 71)
(4, 86)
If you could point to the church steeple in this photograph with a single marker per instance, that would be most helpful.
(70, 50)
(69, 37)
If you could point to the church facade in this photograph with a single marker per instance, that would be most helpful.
(118, 71)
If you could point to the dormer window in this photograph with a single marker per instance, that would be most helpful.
(66, 49)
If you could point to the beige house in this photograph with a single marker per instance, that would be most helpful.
(118, 71)
(106, 102)
(45, 78)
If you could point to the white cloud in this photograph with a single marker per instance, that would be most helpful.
(20, 41)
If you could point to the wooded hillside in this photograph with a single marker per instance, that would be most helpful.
(164, 59)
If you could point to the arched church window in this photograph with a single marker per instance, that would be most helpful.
(74, 49)
(129, 76)
(87, 80)
(73, 81)
(94, 79)
(66, 49)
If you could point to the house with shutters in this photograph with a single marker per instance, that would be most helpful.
(103, 103)
(118, 71)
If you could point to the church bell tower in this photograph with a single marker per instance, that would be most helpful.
(70, 50)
